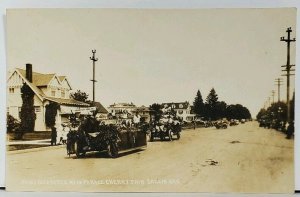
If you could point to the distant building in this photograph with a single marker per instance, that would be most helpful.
(127, 110)
(121, 110)
(144, 112)
(102, 113)
(182, 109)
(47, 88)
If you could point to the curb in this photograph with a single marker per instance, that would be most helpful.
(34, 149)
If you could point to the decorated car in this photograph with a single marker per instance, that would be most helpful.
(89, 134)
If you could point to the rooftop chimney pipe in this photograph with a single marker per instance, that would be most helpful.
(29, 72)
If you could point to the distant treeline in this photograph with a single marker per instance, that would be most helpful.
(213, 109)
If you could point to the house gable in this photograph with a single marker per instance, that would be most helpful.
(17, 79)
(54, 82)
(65, 84)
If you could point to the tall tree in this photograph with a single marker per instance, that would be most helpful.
(50, 114)
(79, 96)
(211, 102)
(198, 104)
(27, 115)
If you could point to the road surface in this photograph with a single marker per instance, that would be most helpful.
(243, 158)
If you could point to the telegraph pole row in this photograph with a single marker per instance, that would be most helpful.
(273, 94)
(278, 82)
(288, 69)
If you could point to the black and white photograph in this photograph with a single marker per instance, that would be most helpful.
(151, 100)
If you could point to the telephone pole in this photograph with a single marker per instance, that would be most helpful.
(94, 80)
(288, 69)
(278, 82)
(273, 94)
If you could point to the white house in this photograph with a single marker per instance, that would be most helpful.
(47, 88)
(182, 109)
(121, 110)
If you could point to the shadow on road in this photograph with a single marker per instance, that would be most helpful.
(103, 155)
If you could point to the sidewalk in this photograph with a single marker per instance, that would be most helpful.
(31, 142)
(22, 146)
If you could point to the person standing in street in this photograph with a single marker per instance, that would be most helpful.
(290, 130)
(53, 135)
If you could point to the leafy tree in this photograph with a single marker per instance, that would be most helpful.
(198, 104)
(238, 112)
(156, 111)
(79, 96)
(262, 112)
(50, 114)
(12, 124)
(277, 111)
(27, 114)
(220, 110)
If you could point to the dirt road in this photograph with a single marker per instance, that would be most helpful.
(243, 158)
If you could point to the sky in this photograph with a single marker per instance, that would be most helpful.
(157, 55)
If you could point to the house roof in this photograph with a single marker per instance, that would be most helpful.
(99, 106)
(67, 101)
(142, 109)
(121, 105)
(61, 78)
(38, 79)
(180, 105)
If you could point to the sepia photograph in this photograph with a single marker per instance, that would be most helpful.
(151, 100)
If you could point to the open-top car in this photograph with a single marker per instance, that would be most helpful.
(170, 129)
(91, 135)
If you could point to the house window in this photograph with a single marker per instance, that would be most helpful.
(180, 112)
(173, 106)
(180, 106)
(37, 109)
(53, 93)
(11, 90)
(63, 94)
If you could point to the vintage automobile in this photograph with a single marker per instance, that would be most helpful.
(165, 131)
(221, 125)
(90, 135)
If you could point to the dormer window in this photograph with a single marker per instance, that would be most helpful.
(180, 106)
(173, 106)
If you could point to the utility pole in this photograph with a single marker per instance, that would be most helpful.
(273, 94)
(288, 69)
(278, 82)
(94, 80)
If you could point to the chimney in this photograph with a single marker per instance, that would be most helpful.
(29, 72)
